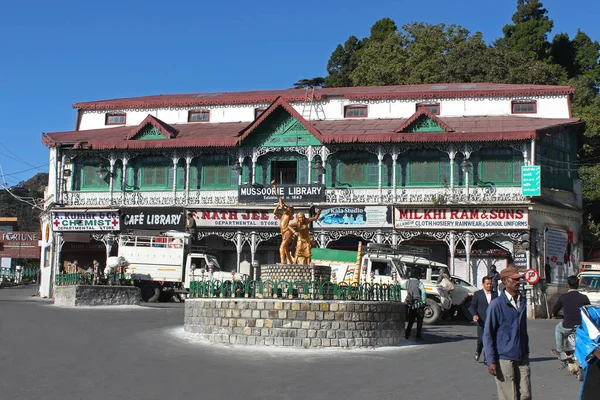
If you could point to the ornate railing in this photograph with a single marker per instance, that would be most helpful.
(295, 290)
(78, 278)
(412, 195)
(25, 273)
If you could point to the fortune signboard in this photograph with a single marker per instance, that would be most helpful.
(20, 244)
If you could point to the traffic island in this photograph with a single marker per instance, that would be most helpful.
(296, 323)
(96, 295)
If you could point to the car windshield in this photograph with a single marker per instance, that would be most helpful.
(590, 282)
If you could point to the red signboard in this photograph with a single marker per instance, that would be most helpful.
(20, 244)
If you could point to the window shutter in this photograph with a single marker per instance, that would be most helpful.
(303, 171)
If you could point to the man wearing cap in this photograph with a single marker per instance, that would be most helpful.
(505, 339)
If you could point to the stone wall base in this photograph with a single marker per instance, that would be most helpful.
(95, 295)
(296, 323)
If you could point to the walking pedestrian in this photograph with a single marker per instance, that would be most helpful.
(495, 278)
(478, 309)
(415, 302)
(505, 339)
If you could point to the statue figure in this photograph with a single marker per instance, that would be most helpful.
(287, 233)
(304, 241)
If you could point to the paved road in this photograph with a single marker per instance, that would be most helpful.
(48, 352)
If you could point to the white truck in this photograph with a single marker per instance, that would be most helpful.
(164, 266)
(385, 265)
(589, 281)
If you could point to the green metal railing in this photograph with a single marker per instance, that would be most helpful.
(26, 273)
(297, 290)
(78, 278)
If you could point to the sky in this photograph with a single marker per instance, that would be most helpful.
(57, 53)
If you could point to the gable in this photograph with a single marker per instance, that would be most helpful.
(423, 124)
(149, 132)
(281, 129)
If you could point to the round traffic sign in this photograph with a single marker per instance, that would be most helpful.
(532, 276)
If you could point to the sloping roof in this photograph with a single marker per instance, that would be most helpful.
(428, 91)
(420, 112)
(482, 128)
(280, 102)
(167, 130)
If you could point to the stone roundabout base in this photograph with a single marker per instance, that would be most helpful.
(296, 323)
(96, 295)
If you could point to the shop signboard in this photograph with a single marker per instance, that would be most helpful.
(87, 220)
(289, 193)
(238, 218)
(531, 180)
(558, 265)
(153, 218)
(20, 244)
(355, 217)
(497, 218)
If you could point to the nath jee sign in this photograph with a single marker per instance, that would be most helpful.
(461, 218)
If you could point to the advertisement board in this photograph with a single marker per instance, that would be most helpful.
(153, 218)
(238, 218)
(289, 193)
(461, 218)
(104, 220)
(355, 216)
(20, 244)
(557, 266)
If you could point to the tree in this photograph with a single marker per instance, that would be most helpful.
(586, 56)
(381, 63)
(529, 31)
(506, 66)
(309, 82)
(342, 62)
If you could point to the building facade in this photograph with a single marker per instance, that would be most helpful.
(431, 165)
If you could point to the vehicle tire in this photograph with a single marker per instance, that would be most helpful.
(433, 312)
(165, 297)
(150, 292)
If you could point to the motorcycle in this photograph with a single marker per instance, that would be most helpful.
(569, 361)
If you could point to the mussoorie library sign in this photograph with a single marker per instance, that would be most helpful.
(461, 218)
(268, 194)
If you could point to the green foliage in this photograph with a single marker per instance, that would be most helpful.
(308, 83)
(28, 217)
(529, 31)
(342, 62)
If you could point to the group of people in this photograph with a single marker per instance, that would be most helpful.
(502, 338)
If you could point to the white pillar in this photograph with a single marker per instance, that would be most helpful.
(124, 178)
(309, 157)
(394, 174)
(241, 162)
(380, 178)
(254, 160)
(452, 246)
(452, 155)
(111, 179)
(468, 244)
(253, 245)
(323, 240)
(175, 162)
(238, 248)
(188, 162)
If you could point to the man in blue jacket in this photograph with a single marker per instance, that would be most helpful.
(505, 339)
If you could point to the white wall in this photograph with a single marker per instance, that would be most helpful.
(333, 108)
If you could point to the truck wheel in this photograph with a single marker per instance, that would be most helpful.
(150, 292)
(433, 312)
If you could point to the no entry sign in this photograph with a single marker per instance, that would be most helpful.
(532, 276)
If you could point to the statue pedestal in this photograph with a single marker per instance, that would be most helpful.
(294, 272)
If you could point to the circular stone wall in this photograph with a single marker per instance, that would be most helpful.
(294, 272)
(296, 323)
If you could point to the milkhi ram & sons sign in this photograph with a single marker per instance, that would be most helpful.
(461, 218)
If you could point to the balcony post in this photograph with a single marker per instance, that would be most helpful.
(380, 156)
(111, 179)
(254, 161)
(468, 245)
(309, 157)
(175, 162)
(394, 175)
(124, 179)
(452, 155)
(188, 162)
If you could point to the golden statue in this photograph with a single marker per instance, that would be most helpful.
(304, 241)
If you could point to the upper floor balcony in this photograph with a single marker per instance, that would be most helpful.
(215, 198)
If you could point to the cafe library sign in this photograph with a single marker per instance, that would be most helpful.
(461, 218)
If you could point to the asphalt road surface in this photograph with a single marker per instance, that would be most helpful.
(47, 352)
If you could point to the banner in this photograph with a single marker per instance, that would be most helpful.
(20, 244)
(239, 218)
(289, 193)
(557, 266)
(355, 216)
(153, 218)
(65, 221)
(461, 218)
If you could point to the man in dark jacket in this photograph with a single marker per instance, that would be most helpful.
(479, 305)
(505, 339)
(572, 301)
